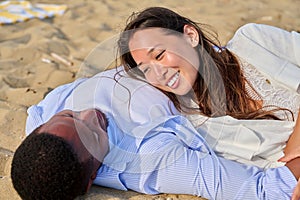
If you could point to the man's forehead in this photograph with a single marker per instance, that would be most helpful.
(59, 126)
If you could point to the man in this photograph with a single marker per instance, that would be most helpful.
(147, 148)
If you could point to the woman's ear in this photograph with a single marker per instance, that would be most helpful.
(192, 34)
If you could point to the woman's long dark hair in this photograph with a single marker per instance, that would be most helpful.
(237, 102)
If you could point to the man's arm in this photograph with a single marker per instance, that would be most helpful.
(213, 178)
(53, 103)
(167, 160)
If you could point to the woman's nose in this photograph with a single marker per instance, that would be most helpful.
(160, 71)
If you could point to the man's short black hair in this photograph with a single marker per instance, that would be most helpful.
(45, 166)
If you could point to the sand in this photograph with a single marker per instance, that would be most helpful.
(29, 69)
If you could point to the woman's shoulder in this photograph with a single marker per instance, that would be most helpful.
(252, 27)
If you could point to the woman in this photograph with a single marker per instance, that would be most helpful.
(245, 107)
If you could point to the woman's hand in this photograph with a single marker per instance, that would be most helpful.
(296, 192)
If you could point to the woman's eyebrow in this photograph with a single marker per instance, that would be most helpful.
(149, 52)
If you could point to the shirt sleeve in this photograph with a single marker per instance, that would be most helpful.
(54, 102)
(173, 158)
(216, 178)
(272, 50)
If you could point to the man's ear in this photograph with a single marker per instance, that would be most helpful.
(91, 180)
(192, 34)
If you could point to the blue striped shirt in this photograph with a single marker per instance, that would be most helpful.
(155, 150)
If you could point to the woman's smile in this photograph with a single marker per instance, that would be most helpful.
(174, 81)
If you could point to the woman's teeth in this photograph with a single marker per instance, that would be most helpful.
(173, 80)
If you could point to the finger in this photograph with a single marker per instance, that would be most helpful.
(286, 158)
(283, 159)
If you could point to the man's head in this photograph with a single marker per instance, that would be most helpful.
(60, 159)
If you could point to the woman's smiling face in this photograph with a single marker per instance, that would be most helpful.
(169, 61)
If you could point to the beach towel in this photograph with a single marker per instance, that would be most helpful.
(19, 11)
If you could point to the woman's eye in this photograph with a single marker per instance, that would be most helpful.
(160, 55)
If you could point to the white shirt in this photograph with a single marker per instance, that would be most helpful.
(270, 59)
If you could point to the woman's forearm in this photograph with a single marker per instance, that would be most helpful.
(296, 132)
(294, 166)
(297, 126)
(292, 149)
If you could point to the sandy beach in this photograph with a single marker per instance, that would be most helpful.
(39, 55)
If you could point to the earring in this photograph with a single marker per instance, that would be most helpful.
(194, 42)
